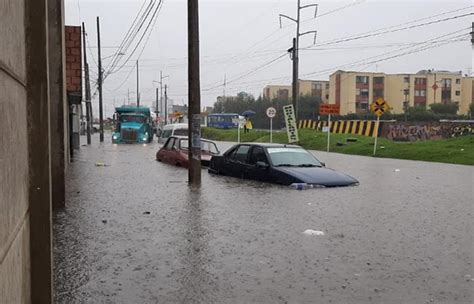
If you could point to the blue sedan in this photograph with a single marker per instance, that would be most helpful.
(279, 164)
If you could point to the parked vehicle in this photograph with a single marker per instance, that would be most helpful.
(279, 164)
(223, 120)
(175, 151)
(179, 129)
(132, 125)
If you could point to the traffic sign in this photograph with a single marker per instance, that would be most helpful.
(379, 107)
(326, 109)
(435, 87)
(271, 112)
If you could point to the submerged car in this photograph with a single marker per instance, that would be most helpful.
(279, 164)
(175, 151)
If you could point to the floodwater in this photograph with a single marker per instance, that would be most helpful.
(134, 232)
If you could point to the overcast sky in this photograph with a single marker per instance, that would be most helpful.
(239, 39)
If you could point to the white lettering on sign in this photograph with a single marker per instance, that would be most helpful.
(290, 122)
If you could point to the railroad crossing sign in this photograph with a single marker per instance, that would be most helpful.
(379, 107)
(271, 112)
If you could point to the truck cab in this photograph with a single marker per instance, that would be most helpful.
(132, 125)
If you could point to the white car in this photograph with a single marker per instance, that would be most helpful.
(179, 129)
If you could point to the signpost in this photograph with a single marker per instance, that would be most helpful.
(290, 122)
(271, 112)
(328, 109)
(379, 107)
(239, 121)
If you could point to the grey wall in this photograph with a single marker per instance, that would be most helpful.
(14, 170)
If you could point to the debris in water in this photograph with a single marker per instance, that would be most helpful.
(100, 164)
(146, 212)
(397, 170)
(313, 232)
(104, 221)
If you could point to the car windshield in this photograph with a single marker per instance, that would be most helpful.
(166, 133)
(206, 146)
(292, 157)
(132, 118)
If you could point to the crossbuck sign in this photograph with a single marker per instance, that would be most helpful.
(290, 122)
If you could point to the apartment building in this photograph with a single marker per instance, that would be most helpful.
(355, 91)
(314, 88)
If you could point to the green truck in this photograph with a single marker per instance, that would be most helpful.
(133, 125)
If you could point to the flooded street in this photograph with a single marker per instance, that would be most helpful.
(133, 232)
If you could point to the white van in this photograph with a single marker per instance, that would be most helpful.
(179, 129)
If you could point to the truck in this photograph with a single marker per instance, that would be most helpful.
(133, 125)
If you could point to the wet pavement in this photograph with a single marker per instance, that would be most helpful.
(133, 232)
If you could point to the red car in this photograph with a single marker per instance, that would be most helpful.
(175, 151)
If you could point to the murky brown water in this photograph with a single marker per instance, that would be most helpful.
(133, 232)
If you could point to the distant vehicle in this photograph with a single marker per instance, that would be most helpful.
(180, 129)
(132, 125)
(279, 164)
(175, 151)
(223, 120)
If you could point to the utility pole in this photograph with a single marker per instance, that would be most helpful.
(101, 111)
(194, 93)
(128, 96)
(88, 86)
(157, 100)
(294, 51)
(138, 86)
(161, 90)
(166, 104)
(472, 34)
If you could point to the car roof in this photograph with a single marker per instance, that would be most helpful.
(185, 137)
(270, 145)
(175, 126)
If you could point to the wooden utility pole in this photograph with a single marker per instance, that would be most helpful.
(138, 86)
(88, 86)
(101, 111)
(194, 93)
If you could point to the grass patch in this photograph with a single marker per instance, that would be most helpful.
(458, 150)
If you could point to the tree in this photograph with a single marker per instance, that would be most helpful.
(448, 108)
(471, 110)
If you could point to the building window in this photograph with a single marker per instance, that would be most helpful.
(406, 79)
(378, 93)
(419, 93)
(282, 94)
(362, 92)
(458, 93)
(317, 86)
(378, 80)
(446, 83)
(327, 96)
(362, 79)
(327, 86)
(421, 81)
(458, 81)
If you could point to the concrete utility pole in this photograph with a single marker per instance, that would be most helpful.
(194, 93)
(472, 34)
(101, 111)
(161, 90)
(294, 51)
(157, 100)
(138, 86)
(88, 86)
(166, 104)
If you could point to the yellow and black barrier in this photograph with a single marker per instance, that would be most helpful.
(355, 127)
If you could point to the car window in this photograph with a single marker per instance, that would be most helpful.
(166, 133)
(181, 132)
(240, 154)
(257, 155)
(176, 144)
(292, 157)
(169, 143)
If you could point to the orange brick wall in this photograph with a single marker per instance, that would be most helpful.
(73, 60)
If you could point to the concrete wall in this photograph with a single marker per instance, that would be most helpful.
(14, 214)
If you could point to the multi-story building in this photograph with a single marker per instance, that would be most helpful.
(355, 91)
(314, 88)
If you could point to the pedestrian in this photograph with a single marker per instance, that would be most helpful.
(248, 125)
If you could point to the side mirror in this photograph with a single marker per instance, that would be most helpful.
(323, 164)
(261, 164)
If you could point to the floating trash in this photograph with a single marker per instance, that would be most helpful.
(397, 170)
(100, 164)
(314, 232)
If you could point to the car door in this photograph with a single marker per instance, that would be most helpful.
(167, 150)
(257, 165)
(236, 162)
